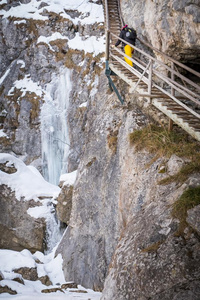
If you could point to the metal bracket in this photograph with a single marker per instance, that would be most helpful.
(112, 86)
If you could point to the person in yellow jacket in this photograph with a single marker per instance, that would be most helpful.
(129, 35)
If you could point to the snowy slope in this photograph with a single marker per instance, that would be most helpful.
(31, 290)
(54, 94)
(26, 181)
(89, 13)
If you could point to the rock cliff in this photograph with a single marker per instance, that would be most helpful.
(117, 202)
(172, 26)
(122, 229)
(26, 206)
(49, 54)
(121, 224)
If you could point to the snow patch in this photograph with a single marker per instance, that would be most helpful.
(53, 37)
(90, 45)
(20, 61)
(26, 85)
(90, 12)
(49, 265)
(20, 22)
(3, 134)
(84, 104)
(25, 183)
(69, 178)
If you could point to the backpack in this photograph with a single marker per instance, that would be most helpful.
(131, 34)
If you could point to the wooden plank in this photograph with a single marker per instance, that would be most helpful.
(170, 125)
(180, 122)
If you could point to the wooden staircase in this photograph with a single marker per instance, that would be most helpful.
(163, 86)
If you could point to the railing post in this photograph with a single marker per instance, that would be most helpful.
(172, 77)
(107, 44)
(170, 125)
(150, 78)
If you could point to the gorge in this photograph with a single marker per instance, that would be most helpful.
(110, 192)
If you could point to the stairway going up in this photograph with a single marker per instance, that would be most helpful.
(165, 83)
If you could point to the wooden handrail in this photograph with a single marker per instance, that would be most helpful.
(160, 62)
(141, 77)
(107, 15)
(170, 58)
(120, 14)
(166, 79)
(161, 76)
(167, 68)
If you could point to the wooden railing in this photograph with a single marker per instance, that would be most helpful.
(166, 75)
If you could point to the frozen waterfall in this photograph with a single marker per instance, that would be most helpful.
(54, 131)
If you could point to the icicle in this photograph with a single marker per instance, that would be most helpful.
(55, 137)
(54, 230)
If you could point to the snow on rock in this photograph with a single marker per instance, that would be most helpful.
(32, 223)
(24, 182)
(64, 200)
(26, 85)
(90, 44)
(53, 37)
(69, 178)
(3, 134)
(46, 265)
(84, 104)
(90, 12)
(10, 260)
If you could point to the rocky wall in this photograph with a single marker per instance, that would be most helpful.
(171, 26)
(121, 227)
(24, 57)
(18, 230)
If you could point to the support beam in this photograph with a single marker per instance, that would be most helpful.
(170, 125)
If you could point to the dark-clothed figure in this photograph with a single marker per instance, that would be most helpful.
(129, 35)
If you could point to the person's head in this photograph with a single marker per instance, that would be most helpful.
(125, 26)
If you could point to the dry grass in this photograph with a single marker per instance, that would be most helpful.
(183, 174)
(31, 97)
(153, 247)
(161, 143)
(189, 199)
(112, 139)
(69, 58)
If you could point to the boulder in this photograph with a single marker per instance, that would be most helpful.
(6, 289)
(64, 204)
(193, 218)
(18, 230)
(28, 273)
(45, 280)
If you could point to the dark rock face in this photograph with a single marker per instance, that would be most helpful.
(193, 218)
(154, 264)
(172, 26)
(121, 224)
(64, 206)
(18, 230)
(93, 230)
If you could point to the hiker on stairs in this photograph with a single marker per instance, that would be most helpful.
(129, 35)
